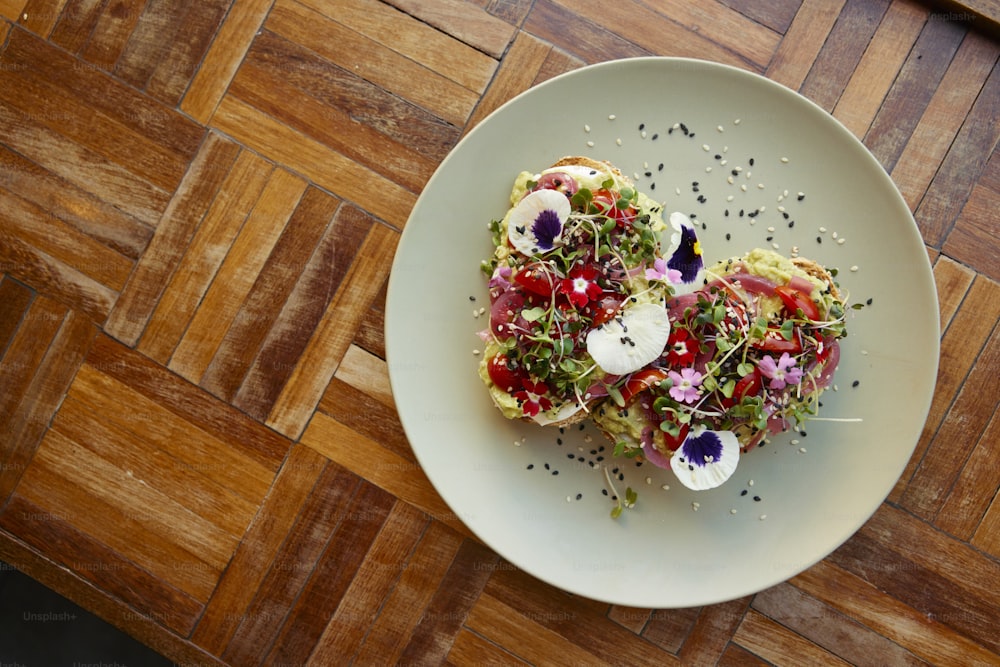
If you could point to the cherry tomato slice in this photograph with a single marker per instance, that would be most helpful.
(673, 442)
(536, 280)
(774, 342)
(502, 374)
(640, 381)
(797, 300)
(605, 309)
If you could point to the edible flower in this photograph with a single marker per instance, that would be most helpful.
(686, 249)
(581, 286)
(706, 459)
(536, 222)
(626, 343)
(661, 271)
(681, 347)
(685, 385)
(782, 372)
(532, 397)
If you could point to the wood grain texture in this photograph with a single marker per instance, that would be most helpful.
(199, 207)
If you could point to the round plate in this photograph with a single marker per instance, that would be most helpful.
(757, 165)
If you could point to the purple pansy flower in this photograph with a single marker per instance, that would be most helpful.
(706, 458)
(536, 223)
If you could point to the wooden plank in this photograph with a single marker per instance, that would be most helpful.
(971, 240)
(376, 576)
(167, 46)
(34, 226)
(308, 98)
(328, 344)
(353, 542)
(714, 626)
(237, 274)
(986, 535)
(776, 644)
(204, 255)
(668, 628)
(75, 24)
(407, 603)
(173, 232)
(317, 162)
(581, 621)
(110, 33)
(973, 407)
(402, 478)
(962, 166)
(826, 627)
(775, 15)
(913, 629)
(803, 41)
(12, 9)
(918, 565)
(54, 532)
(465, 22)
(941, 121)
(952, 281)
(360, 412)
(428, 42)
(272, 287)
(329, 505)
(225, 54)
(960, 345)
(883, 58)
(40, 16)
(975, 490)
(302, 312)
(231, 599)
(241, 434)
(367, 373)
(384, 67)
(839, 57)
(15, 299)
(470, 649)
(911, 92)
(515, 75)
(76, 207)
(451, 604)
(531, 641)
(25, 423)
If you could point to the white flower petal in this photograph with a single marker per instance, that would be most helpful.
(706, 459)
(520, 224)
(628, 342)
(670, 237)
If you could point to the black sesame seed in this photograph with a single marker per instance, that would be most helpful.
(769, 238)
(652, 186)
(743, 492)
(531, 466)
(791, 223)
(570, 457)
(642, 126)
(756, 499)
(869, 301)
(801, 197)
(558, 441)
(604, 492)
(725, 213)
(579, 496)
(472, 298)
(547, 467)
(751, 162)
(659, 167)
(819, 239)
(555, 472)
(655, 137)
(856, 383)
(728, 236)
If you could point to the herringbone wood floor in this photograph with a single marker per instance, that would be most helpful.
(199, 205)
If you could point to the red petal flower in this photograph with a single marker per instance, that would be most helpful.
(581, 286)
(681, 348)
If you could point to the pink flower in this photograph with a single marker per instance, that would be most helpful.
(685, 385)
(660, 271)
(782, 372)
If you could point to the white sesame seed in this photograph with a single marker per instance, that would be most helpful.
(643, 134)
(781, 209)
(590, 143)
(586, 128)
(834, 235)
(676, 126)
(784, 160)
(743, 187)
(760, 186)
(729, 180)
(841, 241)
(781, 198)
(802, 449)
(770, 229)
(475, 352)
(695, 505)
(706, 147)
(649, 480)
(775, 246)
(720, 128)
(611, 117)
(763, 516)
(677, 190)
(665, 487)
(730, 198)
(708, 170)
(854, 268)
(569, 499)
(822, 230)
(737, 121)
(732, 511)
(618, 141)
(645, 165)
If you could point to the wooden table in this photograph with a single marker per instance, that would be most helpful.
(199, 205)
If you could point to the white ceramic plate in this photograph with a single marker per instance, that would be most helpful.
(816, 490)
